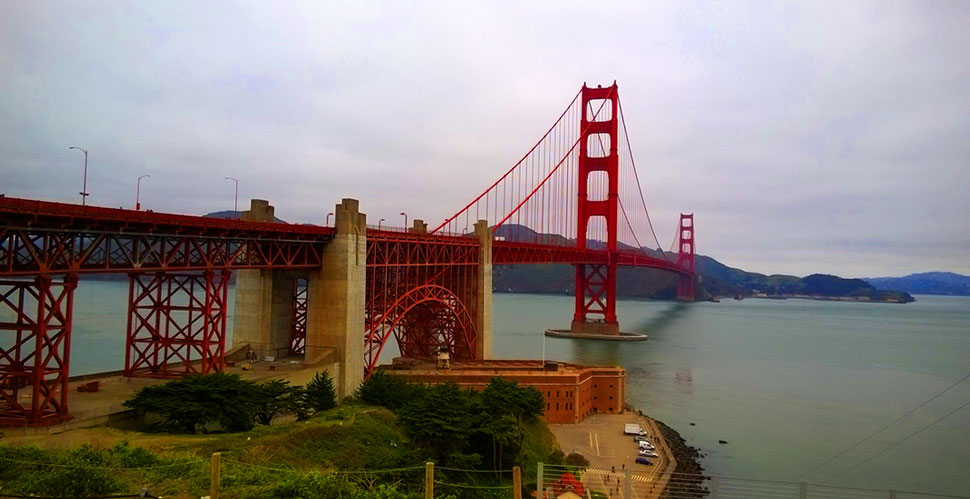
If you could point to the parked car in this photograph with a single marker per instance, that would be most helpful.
(643, 460)
(649, 453)
(646, 445)
(640, 438)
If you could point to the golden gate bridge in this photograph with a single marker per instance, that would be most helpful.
(329, 293)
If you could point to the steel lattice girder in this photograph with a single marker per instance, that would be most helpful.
(298, 320)
(422, 251)
(37, 251)
(36, 361)
(176, 324)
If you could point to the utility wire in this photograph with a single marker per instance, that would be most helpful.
(860, 463)
(880, 430)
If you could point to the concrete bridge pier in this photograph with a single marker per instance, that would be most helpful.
(336, 300)
(264, 300)
(483, 298)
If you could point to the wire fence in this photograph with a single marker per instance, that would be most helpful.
(594, 483)
(551, 482)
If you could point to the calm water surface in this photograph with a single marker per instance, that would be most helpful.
(788, 384)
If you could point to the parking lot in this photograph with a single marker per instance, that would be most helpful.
(601, 440)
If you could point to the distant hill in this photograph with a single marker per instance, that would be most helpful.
(926, 283)
(714, 278)
(233, 214)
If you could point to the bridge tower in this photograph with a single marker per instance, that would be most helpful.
(596, 283)
(685, 257)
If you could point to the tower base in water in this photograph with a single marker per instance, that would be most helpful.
(619, 336)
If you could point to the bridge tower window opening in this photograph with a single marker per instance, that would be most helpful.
(598, 145)
(597, 187)
(599, 110)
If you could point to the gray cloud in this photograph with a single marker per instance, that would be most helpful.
(822, 136)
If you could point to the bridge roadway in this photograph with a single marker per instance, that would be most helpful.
(41, 237)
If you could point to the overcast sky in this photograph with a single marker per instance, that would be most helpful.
(811, 137)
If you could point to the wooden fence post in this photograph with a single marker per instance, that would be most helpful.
(517, 482)
(215, 475)
(429, 480)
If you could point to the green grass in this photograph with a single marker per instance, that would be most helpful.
(288, 460)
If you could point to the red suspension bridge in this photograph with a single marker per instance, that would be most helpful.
(330, 294)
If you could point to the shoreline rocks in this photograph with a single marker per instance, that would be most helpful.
(688, 464)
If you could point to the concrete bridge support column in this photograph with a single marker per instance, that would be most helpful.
(264, 300)
(336, 300)
(483, 304)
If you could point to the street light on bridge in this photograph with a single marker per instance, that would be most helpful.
(405, 221)
(84, 188)
(138, 192)
(379, 222)
(235, 203)
(328, 218)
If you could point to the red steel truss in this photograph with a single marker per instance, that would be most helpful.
(298, 320)
(35, 337)
(38, 237)
(176, 324)
(685, 258)
(421, 290)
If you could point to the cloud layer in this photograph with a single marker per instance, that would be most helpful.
(813, 137)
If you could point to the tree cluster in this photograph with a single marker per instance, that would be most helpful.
(459, 427)
(202, 402)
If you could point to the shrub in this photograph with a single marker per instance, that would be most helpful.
(319, 486)
(194, 402)
(320, 393)
(577, 460)
(277, 398)
(387, 390)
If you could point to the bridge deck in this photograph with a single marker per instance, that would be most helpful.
(38, 237)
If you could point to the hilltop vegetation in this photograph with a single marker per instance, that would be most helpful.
(358, 439)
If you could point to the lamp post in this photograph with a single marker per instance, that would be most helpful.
(235, 202)
(84, 188)
(379, 222)
(405, 221)
(328, 218)
(138, 192)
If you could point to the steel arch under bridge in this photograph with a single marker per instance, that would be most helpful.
(422, 291)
